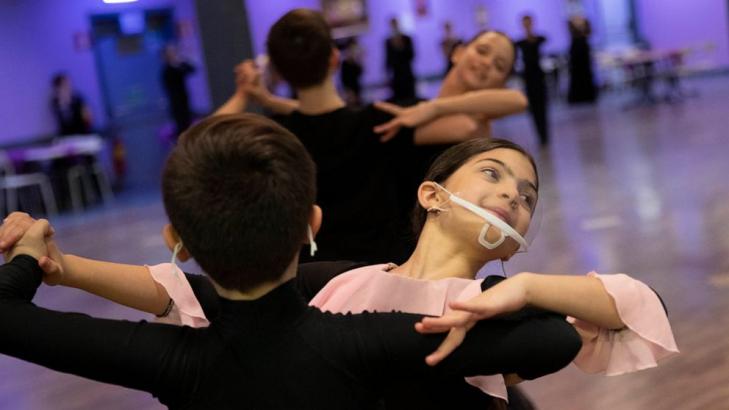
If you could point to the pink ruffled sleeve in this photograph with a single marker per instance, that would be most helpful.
(186, 310)
(646, 338)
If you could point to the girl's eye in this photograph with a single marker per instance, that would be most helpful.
(527, 200)
(491, 173)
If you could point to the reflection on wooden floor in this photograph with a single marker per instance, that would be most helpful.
(643, 191)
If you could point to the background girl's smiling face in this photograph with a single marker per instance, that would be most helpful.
(485, 62)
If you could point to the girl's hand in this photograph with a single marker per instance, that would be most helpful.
(404, 117)
(508, 296)
(52, 265)
(248, 80)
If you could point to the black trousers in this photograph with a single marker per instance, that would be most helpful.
(536, 92)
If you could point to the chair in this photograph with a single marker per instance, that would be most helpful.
(83, 149)
(79, 177)
(10, 182)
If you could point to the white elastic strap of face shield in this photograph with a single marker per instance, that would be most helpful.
(175, 251)
(491, 219)
(312, 245)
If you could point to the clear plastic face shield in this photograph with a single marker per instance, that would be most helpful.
(496, 230)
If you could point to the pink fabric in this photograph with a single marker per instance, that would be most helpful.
(646, 338)
(187, 310)
(371, 288)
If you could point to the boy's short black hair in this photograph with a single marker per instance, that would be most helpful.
(239, 190)
(299, 46)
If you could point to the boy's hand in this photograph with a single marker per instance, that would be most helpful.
(33, 242)
(13, 229)
(508, 296)
(404, 117)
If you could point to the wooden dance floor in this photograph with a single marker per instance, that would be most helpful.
(643, 191)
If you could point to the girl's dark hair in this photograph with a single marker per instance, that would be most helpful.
(453, 158)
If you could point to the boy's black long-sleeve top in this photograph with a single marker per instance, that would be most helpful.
(271, 353)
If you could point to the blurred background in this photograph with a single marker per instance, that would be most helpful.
(94, 93)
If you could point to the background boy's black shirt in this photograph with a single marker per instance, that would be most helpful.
(357, 184)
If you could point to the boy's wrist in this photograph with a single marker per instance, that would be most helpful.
(24, 250)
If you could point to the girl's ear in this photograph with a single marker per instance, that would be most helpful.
(457, 53)
(428, 195)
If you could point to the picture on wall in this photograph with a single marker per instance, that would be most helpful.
(346, 17)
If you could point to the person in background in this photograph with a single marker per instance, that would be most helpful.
(448, 44)
(534, 83)
(72, 114)
(351, 72)
(582, 82)
(399, 56)
(175, 71)
(357, 168)
(239, 192)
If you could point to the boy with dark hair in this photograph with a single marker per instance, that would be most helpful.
(231, 176)
(357, 179)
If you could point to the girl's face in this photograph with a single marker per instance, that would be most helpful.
(484, 63)
(501, 181)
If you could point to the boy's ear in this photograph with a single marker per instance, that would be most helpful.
(171, 239)
(334, 58)
(315, 219)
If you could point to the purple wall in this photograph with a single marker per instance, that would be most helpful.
(37, 40)
(678, 24)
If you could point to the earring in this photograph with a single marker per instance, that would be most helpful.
(435, 209)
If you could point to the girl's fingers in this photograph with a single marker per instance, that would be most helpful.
(449, 320)
(450, 343)
(388, 107)
(421, 328)
(49, 266)
(382, 128)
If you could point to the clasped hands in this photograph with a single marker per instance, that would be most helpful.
(20, 234)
